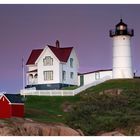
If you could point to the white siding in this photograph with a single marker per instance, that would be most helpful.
(42, 68)
(92, 77)
(66, 67)
(31, 67)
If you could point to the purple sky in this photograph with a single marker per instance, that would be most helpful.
(85, 27)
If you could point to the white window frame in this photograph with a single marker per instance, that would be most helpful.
(63, 75)
(48, 75)
(71, 75)
(71, 62)
(97, 75)
(48, 61)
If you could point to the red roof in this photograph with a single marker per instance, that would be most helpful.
(61, 53)
(33, 56)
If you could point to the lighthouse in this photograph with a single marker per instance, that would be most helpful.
(122, 58)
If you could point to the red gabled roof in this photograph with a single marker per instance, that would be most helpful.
(61, 53)
(33, 56)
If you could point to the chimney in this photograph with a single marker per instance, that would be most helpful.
(57, 44)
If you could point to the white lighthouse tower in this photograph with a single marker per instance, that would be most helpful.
(122, 63)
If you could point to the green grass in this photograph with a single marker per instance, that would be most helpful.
(70, 88)
(47, 108)
(91, 111)
(128, 84)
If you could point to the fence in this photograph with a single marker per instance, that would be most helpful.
(62, 92)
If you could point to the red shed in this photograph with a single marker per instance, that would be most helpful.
(11, 105)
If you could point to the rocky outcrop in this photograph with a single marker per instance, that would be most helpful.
(111, 92)
(25, 127)
(113, 133)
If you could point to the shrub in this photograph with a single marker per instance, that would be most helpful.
(105, 112)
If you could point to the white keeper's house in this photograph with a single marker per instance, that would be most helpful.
(53, 67)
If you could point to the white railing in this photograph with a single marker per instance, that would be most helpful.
(62, 92)
(48, 92)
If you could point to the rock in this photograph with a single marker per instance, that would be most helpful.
(80, 132)
(137, 131)
(25, 127)
(66, 131)
(114, 133)
(35, 129)
(67, 107)
(111, 92)
(6, 131)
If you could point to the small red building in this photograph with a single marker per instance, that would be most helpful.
(11, 105)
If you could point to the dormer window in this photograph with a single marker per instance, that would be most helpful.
(48, 61)
(71, 62)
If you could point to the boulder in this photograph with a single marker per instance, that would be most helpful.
(28, 127)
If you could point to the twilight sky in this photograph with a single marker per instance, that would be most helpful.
(85, 27)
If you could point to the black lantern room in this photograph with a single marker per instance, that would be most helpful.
(121, 29)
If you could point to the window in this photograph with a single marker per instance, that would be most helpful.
(97, 76)
(48, 75)
(71, 75)
(30, 79)
(48, 61)
(35, 76)
(64, 75)
(71, 62)
(121, 27)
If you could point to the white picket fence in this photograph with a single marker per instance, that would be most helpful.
(62, 92)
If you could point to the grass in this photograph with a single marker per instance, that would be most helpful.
(92, 112)
(47, 108)
(70, 88)
(96, 112)
(126, 84)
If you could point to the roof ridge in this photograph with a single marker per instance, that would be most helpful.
(60, 47)
(37, 49)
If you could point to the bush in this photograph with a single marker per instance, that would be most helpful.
(105, 112)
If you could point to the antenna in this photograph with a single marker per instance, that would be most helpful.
(121, 16)
(23, 74)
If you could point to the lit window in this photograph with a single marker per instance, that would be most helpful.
(121, 27)
(48, 75)
(64, 75)
(71, 75)
(71, 62)
(48, 61)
